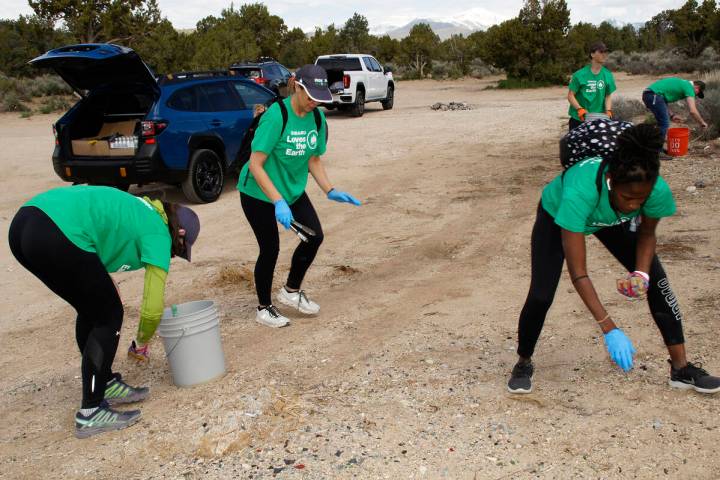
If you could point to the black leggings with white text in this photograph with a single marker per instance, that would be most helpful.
(547, 257)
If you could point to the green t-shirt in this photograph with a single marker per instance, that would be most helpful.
(573, 200)
(590, 89)
(287, 161)
(673, 89)
(125, 231)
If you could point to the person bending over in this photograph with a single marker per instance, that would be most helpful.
(595, 197)
(70, 238)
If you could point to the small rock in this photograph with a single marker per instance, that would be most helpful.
(691, 189)
(700, 184)
(657, 424)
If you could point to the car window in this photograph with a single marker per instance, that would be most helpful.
(248, 72)
(184, 99)
(285, 72)
(219, 97)
(252, 95)
(368, 64)
(340, 63)
(275, 71)
(376, 66)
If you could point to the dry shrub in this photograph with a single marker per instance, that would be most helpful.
(627, 109)
(662, 62)
(234, 276)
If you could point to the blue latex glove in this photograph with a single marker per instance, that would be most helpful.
(342, 197)
(620, 348)
(283, 214)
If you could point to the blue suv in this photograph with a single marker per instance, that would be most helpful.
(131, 127)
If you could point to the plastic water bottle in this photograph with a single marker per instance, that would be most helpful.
(174, 310)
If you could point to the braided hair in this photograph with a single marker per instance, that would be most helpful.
(637, 158)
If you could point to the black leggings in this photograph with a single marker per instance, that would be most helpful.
(80, 278)
(261, 216)
(547, 261)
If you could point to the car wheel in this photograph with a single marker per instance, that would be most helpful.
(205, 177)
(387, 104)
(358, 108)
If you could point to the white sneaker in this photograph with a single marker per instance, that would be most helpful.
(299, 301)
(271, 317)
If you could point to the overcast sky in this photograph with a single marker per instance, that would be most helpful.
(307, 14)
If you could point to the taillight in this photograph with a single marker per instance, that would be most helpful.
(346, 81)
(152, 127)
(55, 134)
(260, 80)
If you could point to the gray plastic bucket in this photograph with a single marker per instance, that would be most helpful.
(589, 117)
(192, 342)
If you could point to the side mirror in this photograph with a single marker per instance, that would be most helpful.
(387, 69)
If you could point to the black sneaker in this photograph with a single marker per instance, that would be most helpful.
(693, 377)
(104, 419)
(520, 378)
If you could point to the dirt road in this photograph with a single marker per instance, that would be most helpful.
(403, 373)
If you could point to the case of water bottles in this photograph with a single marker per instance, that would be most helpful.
(124, 142)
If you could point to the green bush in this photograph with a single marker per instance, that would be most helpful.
(46, 85)
(518, 83)
(11, 102)
(54, 104)
(709, 106)
(662, 62)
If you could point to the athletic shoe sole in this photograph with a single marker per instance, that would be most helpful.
(521, 391)
(294, 305)
(135, 397)
(271, 325)
(688, 386)
(90, 431)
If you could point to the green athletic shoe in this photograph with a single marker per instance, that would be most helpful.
(117, 392)
(104, 419)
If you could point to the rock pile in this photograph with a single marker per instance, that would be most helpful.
(451, 106)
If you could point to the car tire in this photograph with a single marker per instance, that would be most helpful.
(387, 104)
(358, 107)
(205, 177)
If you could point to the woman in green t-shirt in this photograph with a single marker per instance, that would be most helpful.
(70, 238)
(595, 197)
(287, 146)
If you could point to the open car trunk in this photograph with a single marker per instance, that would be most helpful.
(107, 124)
(336, 67)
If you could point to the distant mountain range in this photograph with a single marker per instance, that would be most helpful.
(444, 29)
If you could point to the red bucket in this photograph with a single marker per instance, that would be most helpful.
(677, 141)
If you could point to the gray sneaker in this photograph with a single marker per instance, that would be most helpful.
(693, 377)
(520, 379)
(104, 419)
(117, 392)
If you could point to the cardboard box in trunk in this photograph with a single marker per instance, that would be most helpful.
(100, 147)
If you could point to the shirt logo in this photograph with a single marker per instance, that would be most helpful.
(124, 268)
(312, 140)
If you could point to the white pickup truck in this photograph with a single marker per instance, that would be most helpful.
(354, 80)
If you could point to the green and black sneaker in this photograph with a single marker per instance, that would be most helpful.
(118, 392)
(104, 419)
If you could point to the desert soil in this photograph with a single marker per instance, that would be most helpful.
(402, 374)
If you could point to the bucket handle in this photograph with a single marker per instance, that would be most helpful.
(167, 355)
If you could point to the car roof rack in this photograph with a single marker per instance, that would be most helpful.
(185, 76)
